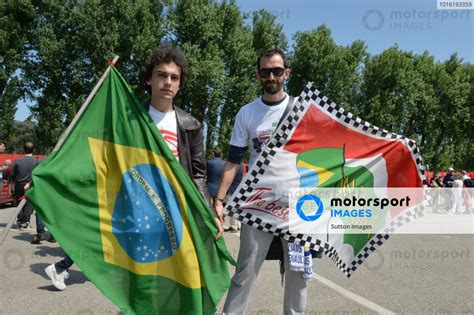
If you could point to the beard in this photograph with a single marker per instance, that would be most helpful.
(272, 87)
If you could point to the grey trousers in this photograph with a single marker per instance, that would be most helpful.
(254, 245)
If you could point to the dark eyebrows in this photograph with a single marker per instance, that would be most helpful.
(158, 71)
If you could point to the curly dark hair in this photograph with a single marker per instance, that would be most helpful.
(164, 54)
(270, 52)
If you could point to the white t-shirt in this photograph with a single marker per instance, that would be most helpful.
(254, 124)
(168, 126)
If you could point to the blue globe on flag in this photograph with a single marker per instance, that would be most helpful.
(146, 219)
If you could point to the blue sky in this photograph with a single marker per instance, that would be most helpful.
(414, 25)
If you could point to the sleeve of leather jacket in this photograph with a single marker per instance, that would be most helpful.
(199, 164)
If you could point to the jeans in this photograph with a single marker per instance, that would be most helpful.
(25, 213)
(254, 245)
(64, 264)
(39, 226)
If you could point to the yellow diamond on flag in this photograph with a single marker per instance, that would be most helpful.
(142, 213)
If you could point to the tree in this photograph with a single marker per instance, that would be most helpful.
(72, 43)
(221, 53)
(266, 32)
(466, 160)
(413, 96)
(239, 56)
(393, 89)
(453, 137)
(16, 18)
(241, 49)
(53, 53)
(198, 30)
(23, 131)
(334, 70)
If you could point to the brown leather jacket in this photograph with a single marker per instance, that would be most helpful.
(191, 150)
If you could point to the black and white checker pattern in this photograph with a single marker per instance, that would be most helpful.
(280, 137)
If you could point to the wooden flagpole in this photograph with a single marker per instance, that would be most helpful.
(61, 141)
(12, 219)
(84, 106)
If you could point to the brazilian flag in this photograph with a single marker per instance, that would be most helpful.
(123, 208)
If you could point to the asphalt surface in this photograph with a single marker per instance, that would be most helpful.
(409, 274)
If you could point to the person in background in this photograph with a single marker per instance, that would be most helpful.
(449, 178)
(436, 182)
(5, 170)
(3, 146)
(457, 188)
(215, 167)
(20, 175)
(448, 181)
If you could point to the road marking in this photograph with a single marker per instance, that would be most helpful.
(356, 298)
(232, 233)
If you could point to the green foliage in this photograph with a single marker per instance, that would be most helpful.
(453, 89)
(53, 53)
(240, 56)
(266, 33)
(392, 87)
(23, 131)
(72, 43)
(431, 103)
(221, 51)
(196, 31)
(16, 19)
(426, 101)
(333, 69)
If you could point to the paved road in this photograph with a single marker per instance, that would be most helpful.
(409, 274)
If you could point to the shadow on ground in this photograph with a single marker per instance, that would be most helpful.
(75, 277)
(25, 236)
(44, 250)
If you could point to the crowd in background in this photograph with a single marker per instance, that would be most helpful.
(456, 199)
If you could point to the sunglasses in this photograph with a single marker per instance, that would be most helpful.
(265, 72)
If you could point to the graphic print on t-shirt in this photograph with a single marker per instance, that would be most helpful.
(260, 141)
(167, 125)
(171, 139)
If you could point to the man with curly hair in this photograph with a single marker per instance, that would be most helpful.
(163, 75)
